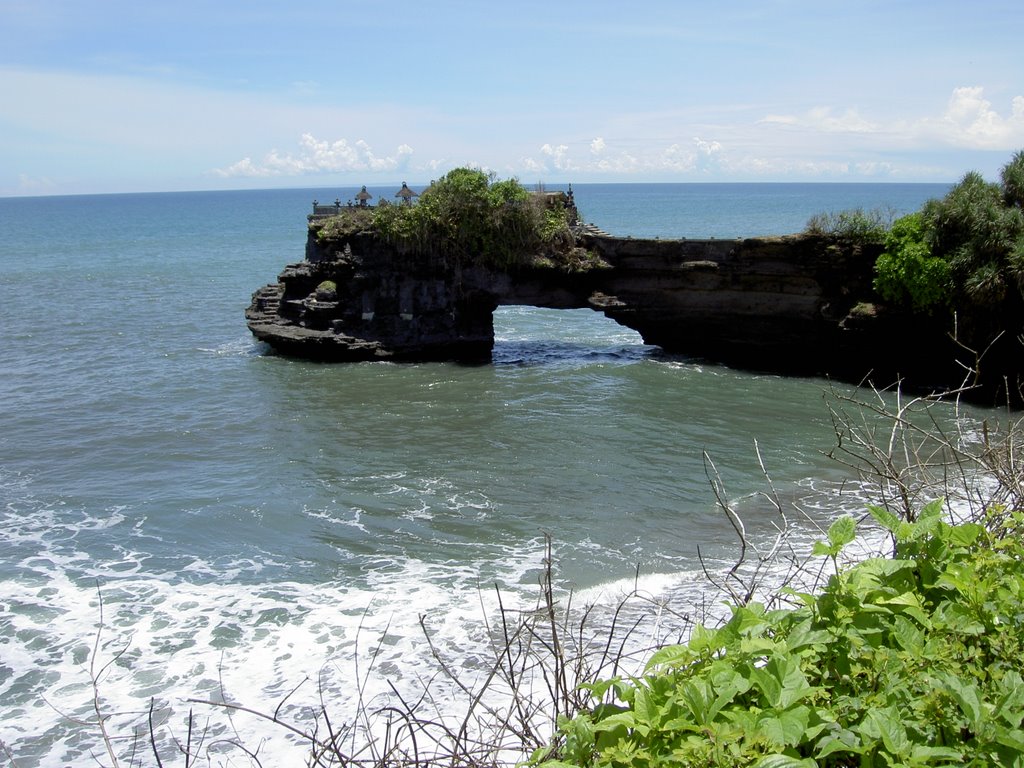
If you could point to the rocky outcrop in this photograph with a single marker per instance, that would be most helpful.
(796, 304)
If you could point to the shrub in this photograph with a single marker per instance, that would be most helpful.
(467, 216)
(910, 661)
(966, 249)
(906, 273)
(856, 224)
(1012, 177)
(978, 233)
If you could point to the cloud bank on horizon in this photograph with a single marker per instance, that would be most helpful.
(137, 97)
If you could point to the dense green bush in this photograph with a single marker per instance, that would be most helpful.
(906, 273)
(469, 216)
(976, 230)
(912, 660)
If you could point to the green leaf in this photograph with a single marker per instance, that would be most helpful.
(1014, 739)
(646, 712)
(786, 728)
(842, 532)
(1011, 704)
(698, 697)
(803, 636)
(885, 518)
(909, 637)
(671, 656)
(931, 511)
(832, 744)
(965, 534)
(909, 604)
(886, 724)
(966, 695)
(925, 754)
(627, 719)
(784, 761)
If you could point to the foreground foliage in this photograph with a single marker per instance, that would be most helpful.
(906, 661)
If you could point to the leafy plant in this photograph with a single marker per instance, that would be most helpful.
(963, 250)
(470, 217)
(905, 661)
(906, 273)
(857, 224)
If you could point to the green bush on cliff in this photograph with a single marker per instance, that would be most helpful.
(965, 250)
(912, 660)
(348, 222)
(855, 224)
(906, 273)
(468, 216)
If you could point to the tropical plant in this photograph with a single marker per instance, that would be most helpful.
(469, 216)
(1012, 177)
(906, 273)
(904, 661)
(963, 250)
(856, 224)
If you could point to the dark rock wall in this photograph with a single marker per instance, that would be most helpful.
(797, 304)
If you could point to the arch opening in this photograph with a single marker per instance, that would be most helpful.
(526, 334)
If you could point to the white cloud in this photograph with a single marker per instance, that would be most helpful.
(707, 148)
(597, 146)
(823, 120)
(554, 157)
(318, 156)
(968, 121)
(35, 185)
(971, 121)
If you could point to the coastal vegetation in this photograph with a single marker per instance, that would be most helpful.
(905, 659)
(857, 223)
(962, 252)
(911, 660)
(470, 217)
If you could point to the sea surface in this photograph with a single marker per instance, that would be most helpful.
(184, 515)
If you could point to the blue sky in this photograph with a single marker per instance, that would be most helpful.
(112, 96)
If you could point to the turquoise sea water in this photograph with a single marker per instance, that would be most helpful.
(248, 518)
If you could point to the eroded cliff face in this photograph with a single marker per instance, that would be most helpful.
(796, 304)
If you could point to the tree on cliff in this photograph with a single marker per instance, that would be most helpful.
(964, 252)
(469, 216)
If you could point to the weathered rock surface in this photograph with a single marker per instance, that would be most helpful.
(796, 304)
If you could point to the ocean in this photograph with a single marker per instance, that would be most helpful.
(184, 515)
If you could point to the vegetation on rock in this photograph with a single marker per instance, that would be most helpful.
(470, 217)
(857, 224)
(348, 222)
(965, 250)
(327, 291)
(906, 273)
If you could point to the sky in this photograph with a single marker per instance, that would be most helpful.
(104, 96)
